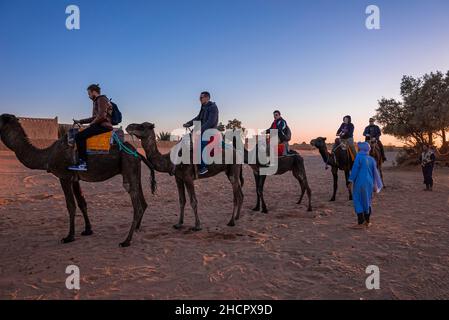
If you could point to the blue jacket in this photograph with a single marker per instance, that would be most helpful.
(346, 131)
(372, 131)
(208, 117)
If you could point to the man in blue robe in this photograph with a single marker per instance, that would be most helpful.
(365, 179)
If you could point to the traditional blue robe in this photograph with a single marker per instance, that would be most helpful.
(365, 179)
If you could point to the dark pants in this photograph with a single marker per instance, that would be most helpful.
(427, 172)
(82, 136)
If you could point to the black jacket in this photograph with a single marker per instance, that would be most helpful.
(373, 131)
(346, 131)
(283, 131)
(208, 117)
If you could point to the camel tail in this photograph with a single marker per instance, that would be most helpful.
(152, 173)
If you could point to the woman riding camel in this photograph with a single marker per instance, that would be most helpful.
(346, 134)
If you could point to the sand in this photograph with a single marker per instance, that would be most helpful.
(288, 253)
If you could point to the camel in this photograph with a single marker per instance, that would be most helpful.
(377, 155)
(341, 161)
(56, 158)
(185, 174)
(294, 163)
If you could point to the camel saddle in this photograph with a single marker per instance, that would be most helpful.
(99, 144)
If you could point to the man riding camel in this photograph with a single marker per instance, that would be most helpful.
(284, 133)
(100, 122)
(346, 134)
(373, 131)
(208, 117)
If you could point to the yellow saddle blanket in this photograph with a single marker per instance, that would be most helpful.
(100, 143)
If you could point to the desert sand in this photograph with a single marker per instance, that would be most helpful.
(288, 253)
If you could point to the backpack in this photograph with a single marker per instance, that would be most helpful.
(116, 116)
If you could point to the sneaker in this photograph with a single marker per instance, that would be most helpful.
(82, 166)
(203, 171)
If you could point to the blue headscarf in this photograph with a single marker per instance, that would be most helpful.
(364, 147)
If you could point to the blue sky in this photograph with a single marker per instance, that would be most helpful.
(313, 60)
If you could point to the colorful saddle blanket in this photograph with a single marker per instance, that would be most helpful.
(100, 144)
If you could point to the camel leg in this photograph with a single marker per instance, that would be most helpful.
(335, 176)
(347, 184)
(300, 175)
(257, 179)
(83, 207)
(238, 197)
(138, 213)
(295, 172)
(194, 203)
(71, 208)
(240, 201)
(261, 184)
(182, 202)
(143, 204)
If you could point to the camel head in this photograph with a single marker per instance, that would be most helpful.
(141, 131)
(6, 120)
(318, 142)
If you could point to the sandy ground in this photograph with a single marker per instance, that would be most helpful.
(287, 254)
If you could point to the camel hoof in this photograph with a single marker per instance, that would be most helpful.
(195, 229)
(87, 233)
(350, 198)
(231, 223)
(177, 226)
(256, 209)
(264, 210)
(299, 202)
(125, 244)
(68, 239)
(309, 209)
(332, 200)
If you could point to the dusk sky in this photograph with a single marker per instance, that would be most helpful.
(314, 60)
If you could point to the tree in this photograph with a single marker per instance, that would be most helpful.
(234, 124)
(163, 136)
(423, 113)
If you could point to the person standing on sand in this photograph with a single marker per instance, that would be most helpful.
(364, 180)
(427, 160)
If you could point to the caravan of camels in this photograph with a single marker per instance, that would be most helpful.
(124, 159)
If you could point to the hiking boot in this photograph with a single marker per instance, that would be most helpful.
(82, 166)
(203, 171)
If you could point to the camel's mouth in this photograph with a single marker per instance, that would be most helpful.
(134, 131)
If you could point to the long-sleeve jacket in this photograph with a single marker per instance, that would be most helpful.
(208, 117)
(101, 113)
(372, 131)
(346, 131)
(281, 126)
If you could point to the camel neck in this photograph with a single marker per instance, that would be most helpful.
(30, 156)
(325, 154)
(160, 162)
